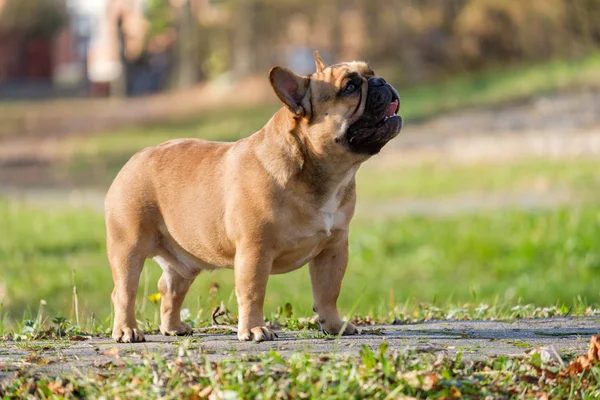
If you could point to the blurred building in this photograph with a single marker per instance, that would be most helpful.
(26, 50)
(82, 54)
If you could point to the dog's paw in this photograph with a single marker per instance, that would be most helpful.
(178, 330)
(336, 327)
(258, 334)
(128, 335)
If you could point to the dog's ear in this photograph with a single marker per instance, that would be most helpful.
(290, 88)
(319, 62)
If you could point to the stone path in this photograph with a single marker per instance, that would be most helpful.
(475, 339)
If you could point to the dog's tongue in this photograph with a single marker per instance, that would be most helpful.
(391, 110)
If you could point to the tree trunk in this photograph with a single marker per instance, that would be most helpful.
(185, 68)
(118, 87)
(243, 57)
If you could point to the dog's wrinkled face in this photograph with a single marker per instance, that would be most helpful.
(349, 109)
(379, 122)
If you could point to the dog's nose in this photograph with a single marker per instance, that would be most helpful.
(376, 82)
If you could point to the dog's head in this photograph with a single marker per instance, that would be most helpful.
(345, 106)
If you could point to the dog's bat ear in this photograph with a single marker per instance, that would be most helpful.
(319, 62)
(290, 88)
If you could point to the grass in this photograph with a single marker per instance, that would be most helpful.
(377, 374)
(502, 258)
(430, 180)
(377, 181)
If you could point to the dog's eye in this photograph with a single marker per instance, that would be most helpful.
(350, 87)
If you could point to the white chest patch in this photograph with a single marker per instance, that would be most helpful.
(330, 208)
(328, 219)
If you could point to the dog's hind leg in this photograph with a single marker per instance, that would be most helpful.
(128, 244)
(173, 287)
(126, 263)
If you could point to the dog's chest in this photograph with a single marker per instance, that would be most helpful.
(327, 215)
(308, 237)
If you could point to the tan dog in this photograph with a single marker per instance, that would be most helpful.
(266, 204)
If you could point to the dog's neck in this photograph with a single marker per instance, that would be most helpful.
(287, 154)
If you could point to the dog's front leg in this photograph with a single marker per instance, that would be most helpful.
(326, 274)
(252, 271)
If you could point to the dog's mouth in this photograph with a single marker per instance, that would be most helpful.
(390, 112)
(379, 123)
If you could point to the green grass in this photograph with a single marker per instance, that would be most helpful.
(377, 374)
(376, 181)
(500, 259)
(576, 176)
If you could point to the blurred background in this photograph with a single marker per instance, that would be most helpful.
(488, 198)
(56, 48)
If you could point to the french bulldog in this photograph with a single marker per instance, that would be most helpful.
(267, 204)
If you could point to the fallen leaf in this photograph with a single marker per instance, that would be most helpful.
(529, 379)
(594, 349)
(34, 358)
(418, 379)
(114, 352)
(257, 370)
(136, 380)
(582, 363)
(455, 392)
(56, 387)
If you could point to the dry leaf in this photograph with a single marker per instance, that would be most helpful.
(418, 379)
(136, 380)
(583, 363)
(455, 392)
(257, 369)
(34, 358)
(56, 387)
(594, 349)
(114, 352)
(529, 379)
